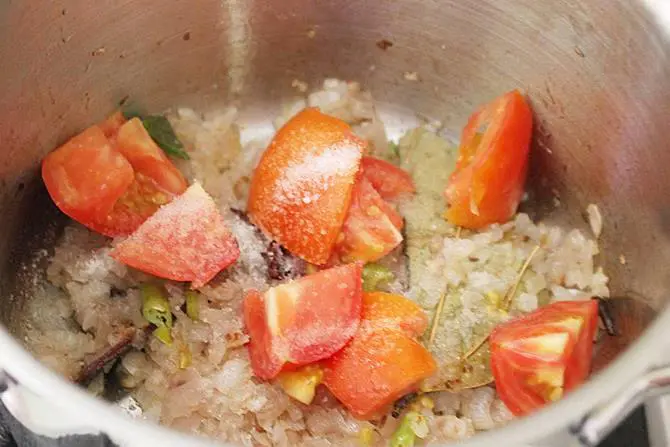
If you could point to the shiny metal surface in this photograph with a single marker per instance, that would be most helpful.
(597, 72)
(601, 421)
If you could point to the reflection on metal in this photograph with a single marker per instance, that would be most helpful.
(237, 39)
(597, 424)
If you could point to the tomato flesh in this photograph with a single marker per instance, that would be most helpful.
(111, 177)
(384, 360)
(185, 240)
(86, 176)
(301, 189)
(134, 142)
(139, 201)
(263, 348)
(303, 321)
(372, 227)
(111, 125)
(391, 311)
(390, 181)
(488, 182)
(538, 357)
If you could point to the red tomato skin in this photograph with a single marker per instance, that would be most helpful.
(157, 180)
(511, 368)
(264, 362)
(578, 369)
(372, 227)
(301, 189)
(383, 361)
(135, 143)
(517, 398)
(488, 183)
(376, 369)
(304, 321)
(185, 240)
(391, 311)
(141, 200)
(391, 212)
(111, 177)
(86, 176)
(390, 181)
(111, 125)
(323, 319)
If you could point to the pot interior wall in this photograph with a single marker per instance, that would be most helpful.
(597, 73)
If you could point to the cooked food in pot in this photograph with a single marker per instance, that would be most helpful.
(324, 287)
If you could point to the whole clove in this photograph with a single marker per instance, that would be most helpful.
(605, 313)
(402, 403)
(282, 264)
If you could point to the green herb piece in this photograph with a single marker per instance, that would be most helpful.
(155, 306)
(375, 276)
(162, 133)
(192, 305)
(404, 435)
(131, 113)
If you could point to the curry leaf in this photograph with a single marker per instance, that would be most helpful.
(162, 133)
(129, 113)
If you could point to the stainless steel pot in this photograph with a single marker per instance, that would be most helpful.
(597, 72)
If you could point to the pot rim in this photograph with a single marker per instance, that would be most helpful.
(96, 413)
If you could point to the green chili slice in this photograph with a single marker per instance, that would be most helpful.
(193, 305)
(155, 306)
(164, 335)
(413, 424)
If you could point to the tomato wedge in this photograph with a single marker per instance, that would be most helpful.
(384, 360)
(86, 176)
(372, 227)
(382, 310)
(135, 143)
(488, 182)
(538, 357)
(110, 126)
(390, 181)
(111, 177)
(185, 240)
(266, 362)
(301, 188)
(303, 321)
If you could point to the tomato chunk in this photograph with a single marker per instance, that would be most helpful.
(538, 357)
(372, 227)
(134, 142)
(111, 177)
(141, 200)
(384, 360)
(185, 240)
(301, 188)
(86, 176)
(111, 125)
(303, 321)
(390, 181)
(488, 182)
(390, 311)
(264, 350)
